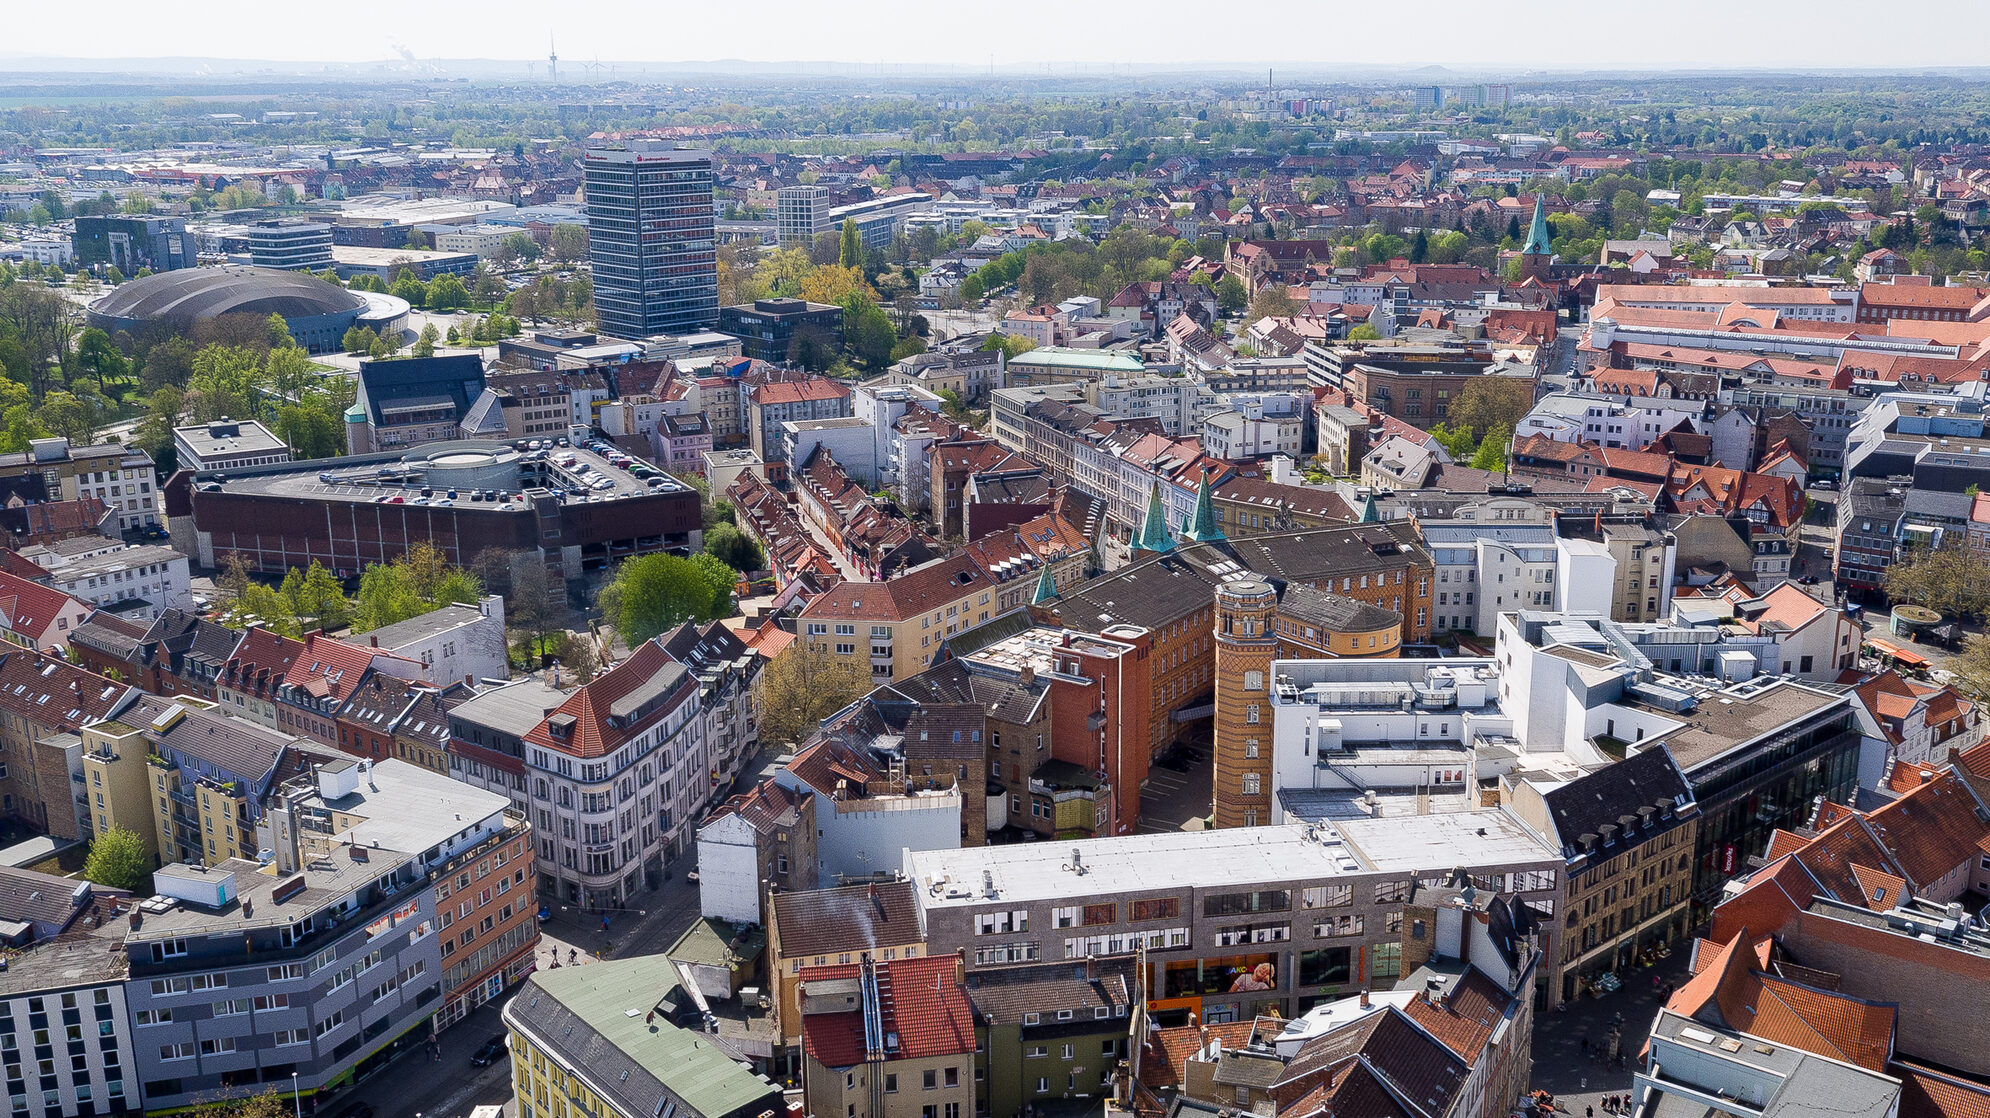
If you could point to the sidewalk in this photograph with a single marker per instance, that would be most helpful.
(1579, 1080)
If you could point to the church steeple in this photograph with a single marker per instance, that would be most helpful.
(1046, 587)
(1538, 241)
(1154, 529)
(1202, 528)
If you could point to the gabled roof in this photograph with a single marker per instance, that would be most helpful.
(847, 918)
(1735, 991)
(921, 1003)
(29, 608)
(597, 718)
(1617, 798)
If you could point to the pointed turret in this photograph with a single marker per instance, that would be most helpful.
(1046, 587)
(1154, 529)
(1371, 512)
(1538, 241)
(1202, 528)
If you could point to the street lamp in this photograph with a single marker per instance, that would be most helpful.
(296, 1101)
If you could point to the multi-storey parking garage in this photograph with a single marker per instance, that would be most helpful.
(571, 505)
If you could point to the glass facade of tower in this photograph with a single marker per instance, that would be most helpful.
(649, 212)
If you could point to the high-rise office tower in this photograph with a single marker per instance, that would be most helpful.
(803, 212)
(649, 214)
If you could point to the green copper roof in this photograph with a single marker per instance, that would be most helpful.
(1046, 587)
(1371, 512)
(1538, 242)
(1154, 529)
(596, 1017)
(1203, 528)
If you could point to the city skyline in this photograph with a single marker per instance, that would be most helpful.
(1562, 36)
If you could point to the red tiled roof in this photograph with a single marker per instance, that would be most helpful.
(588, 707)
(1472, 1008)
(798, 391)
(1731, 991)
(332, 668)
(1932, 829)
(1930, 1093)
(1772, 898)
(921, 1001)
(30, 608)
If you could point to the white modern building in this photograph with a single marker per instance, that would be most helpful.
(137, 583)
(227, 444)
(455, 644)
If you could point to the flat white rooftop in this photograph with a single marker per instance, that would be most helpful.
(1046, 871)
(1042, 871)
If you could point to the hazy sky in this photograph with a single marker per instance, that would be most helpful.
(1540, 34)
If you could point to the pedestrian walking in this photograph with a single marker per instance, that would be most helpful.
(1588, 1112)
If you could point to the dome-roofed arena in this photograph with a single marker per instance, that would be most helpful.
(318, 313)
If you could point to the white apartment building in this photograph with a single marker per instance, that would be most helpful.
(1172, 400)
(1253, 431)
(1569, 417)
(137, 583)
(617, 777)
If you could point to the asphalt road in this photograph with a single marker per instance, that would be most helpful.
(417, 1087)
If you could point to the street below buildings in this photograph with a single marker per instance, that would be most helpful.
(419, 1086)
(1572, 1053)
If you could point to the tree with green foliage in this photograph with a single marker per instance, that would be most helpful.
(425, 344)
(74, 418)
(1231, 296)
(1011, 345)
(867, 332)
(154, 433)
(412, 585)
(521, 246)
(1457, 442)
(99, 357)
(263, 605)
(447, 293)
(1364, 333)
(310, 432)
(406, 286)
(851, 248)
(118, 860)
(226, 381)
(567, 243)
(812, 348)
(316, 596)
(971, 290)
(288, 372)
(735, 549)
(1493, 449)
(1488, 403)
(169, 362)
(1948, 579)
(651, 594)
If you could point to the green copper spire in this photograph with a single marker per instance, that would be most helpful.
(1154, 530)
(1046, 587)
(1203, 529)
(1371, 512)
(1538, 243)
